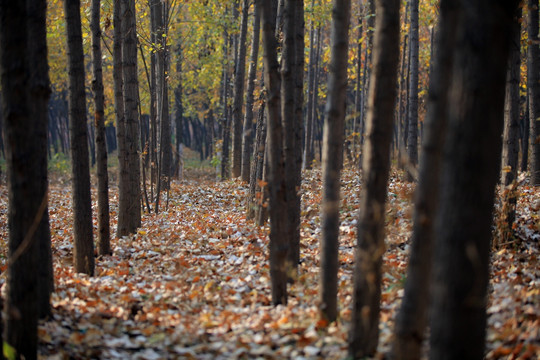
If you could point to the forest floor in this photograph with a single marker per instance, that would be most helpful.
(194, 282)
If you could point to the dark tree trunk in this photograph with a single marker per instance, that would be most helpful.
(129, 207)
(165, 150)
(104, 234)
(294, 176)
(82, 204)
(247, 137)
(533, 86)
(511, 108)
(25, 156)
(40, 92)
(412, 317)
(239, 80)
(179, 117)
(255, 201)
(333, 158)
(279, 244)
(309, 147)
(510, 150)
(364, 333)
(311, 83)
(226, 136)
(525, 134)
(288, 80)
(412, 138)
(119, 91)
(470, 170)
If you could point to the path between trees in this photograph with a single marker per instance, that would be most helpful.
(194, 281)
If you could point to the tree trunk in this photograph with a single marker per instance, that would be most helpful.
(533, 86)
(525, 135)
(294, 175)
(82, 204)
(279, 244)
(226, 137)
(255, 191)
(165, 150)
(247, 134)
(333, 158)
(119, 94)
(412, 316)
(129, 207)
(412, 138)
(288, 81)
(364, 334)
(470, 170)
(311, 84)
(179, 116)
(40, 91)
(25, 157)
(239, 80)
(510, 150)
(104, 247)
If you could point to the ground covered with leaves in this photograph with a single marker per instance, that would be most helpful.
(194, 281)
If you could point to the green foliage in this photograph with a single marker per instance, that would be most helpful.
(59, 163)
(9, 351)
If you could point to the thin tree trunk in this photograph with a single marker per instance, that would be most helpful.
(255, 201)
(279, 245)
(40, 91)
(288, 80)
(412, 138)
(333, 158)
(533, 86)
(311, 83)
(239, 80)
(179, 116)
(226, 137)
(510, 150)
(525, 134)
(82, 204)
(412, 316)
(104, 247)
(129, 208)
(294, 184)
(470, 170)
(364, 333)
(247, 137)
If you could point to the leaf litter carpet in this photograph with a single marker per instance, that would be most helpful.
(193, 283)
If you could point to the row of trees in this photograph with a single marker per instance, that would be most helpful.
(465, 68)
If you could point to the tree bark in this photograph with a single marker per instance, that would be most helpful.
(294, 176)
(533, 86)
(510, 150)
(311, 84)
(129, 207)
(412, 138)
(82, 204)
(279, 244)
(239, 80)
(162, 93)
(412, 316)
(333, 158)
(247, 134)
(40, 91)
(470, 170)
(179, 116)
(364, 333)
(104, 247)
(27, 199)
(288, 80)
